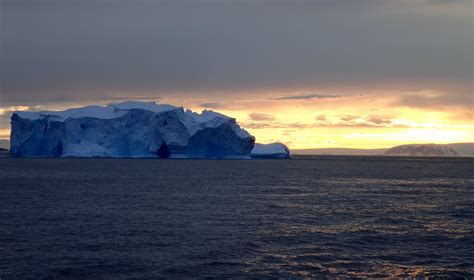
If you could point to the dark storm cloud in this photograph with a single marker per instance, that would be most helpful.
(95, 50)
(307, 96)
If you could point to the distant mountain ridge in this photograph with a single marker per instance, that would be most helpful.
(434, 150)
(440, 150)
(463, 149)
(422, 150)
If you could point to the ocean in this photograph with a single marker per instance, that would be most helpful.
(309, 217)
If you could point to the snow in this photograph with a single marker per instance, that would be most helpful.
(128, 129)
(149, 106)
(135, 129)
(110, 111)
(273, 150)
(115, 110)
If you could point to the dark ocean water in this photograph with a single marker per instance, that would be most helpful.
(303, 218)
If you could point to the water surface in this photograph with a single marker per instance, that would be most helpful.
(307, 217)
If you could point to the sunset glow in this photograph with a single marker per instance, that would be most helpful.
(325, 121)
(355, 74)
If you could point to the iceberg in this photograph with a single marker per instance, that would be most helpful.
(128, 129)
(274, 150)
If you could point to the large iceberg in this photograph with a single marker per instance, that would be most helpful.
(274, 150)
(129, 129)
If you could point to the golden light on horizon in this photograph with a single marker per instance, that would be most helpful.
(5, 133)
(348, 121)
(353, 122)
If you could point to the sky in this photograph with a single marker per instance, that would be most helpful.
(310, 74)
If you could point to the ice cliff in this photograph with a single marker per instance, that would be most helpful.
(129, 129)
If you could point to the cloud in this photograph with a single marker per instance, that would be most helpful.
(450, 2)
(348, 118)
(4, 143)
(4, 134)
(379, 120)
(11, 109)
(285, 125)
(349, 121)
(307, 96)
(261, 117)
(435, 100)
(321, 118)
(213, 105)
(373, 121)
(6, 113)
(96, 50)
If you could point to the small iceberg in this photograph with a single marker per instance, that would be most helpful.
(273, 151)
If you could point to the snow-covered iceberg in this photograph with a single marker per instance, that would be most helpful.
(273, 150)
(129, 129)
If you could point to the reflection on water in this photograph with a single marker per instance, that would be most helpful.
(313, 217)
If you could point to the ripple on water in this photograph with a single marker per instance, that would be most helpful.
(338, 217)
